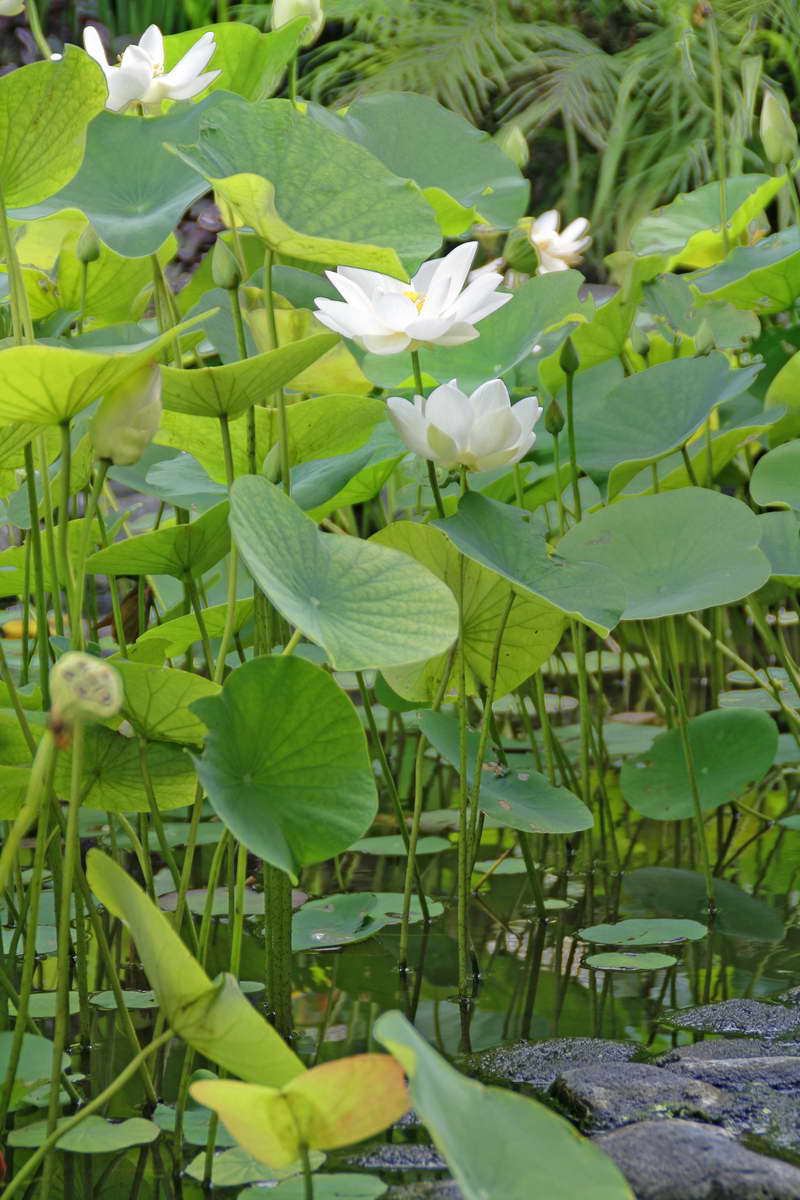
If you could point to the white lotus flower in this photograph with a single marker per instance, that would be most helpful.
(480, 432)
(558, 251)
(284, 11)
(11, 8)
(387, 315)
(140, 77)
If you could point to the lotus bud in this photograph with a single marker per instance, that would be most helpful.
(640, 341)
(225, 269)
(88, 247)
(568, 359)
(127, 419)
(704, 341)
(777, 129)
(272, 464)
(553, 418)
(11, 8)
(519, 253)
(284, 11)
(512, 141)
(83, 688)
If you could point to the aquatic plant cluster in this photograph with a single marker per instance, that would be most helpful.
(386, 540)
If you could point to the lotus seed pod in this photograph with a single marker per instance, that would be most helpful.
(284, 11)
(127, 419)
(88, 247)
(553, 418)
(83, 688)
(512, 141)
(777, 129)
(568, 359)
(225, 269)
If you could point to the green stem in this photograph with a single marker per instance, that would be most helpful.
(533, 875)
(434, 482)
(293, 80)
(76, 606)
(233, 562)
(278, 916)
(272, 338)
(29, 1168)
(35, 26)
(573, 457)
(719, 126)
(792, 185)
(13, 695)
(64, 566)
(42, 632)
(464, 846)
(486, 725)
(197, 609)
(562, 522)
(34, 797)
(82, 304)
(49, 535)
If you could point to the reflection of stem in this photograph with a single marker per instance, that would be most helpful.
(418, 384)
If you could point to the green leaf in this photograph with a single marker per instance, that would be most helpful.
(452, 156)
(326, 1187)
(532, 630)
(502, 539)
(780, 541)
(136, 204)
(664, 571)
(506, 337)
(650, 414)
(599, 340)
(776, 477)
(764, 277)
(215, 1019)
(519, 798)
(260, 157)
(231, 390)
(334, 921)
(44, 110)
(182, 632)
(251, 63)
(175, 550)
(158, 699)
(234, 1167)
(94, 1135)
(112, 773)
(296, 788)
(612, 961)
(731, 749)
(366, 605)
(652, 932)
(34, 1066)
(488, 1134)
(670, 892)
(392, 845)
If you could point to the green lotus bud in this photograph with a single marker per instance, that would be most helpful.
(83, 688)
(640, 341)
(518, 251)
(284, 11)
(272, 464)
(225, 269)
(704, 341)
(512, 141)
(88, 247)
(777, 129)
(553, 418)
(568, 359)
(127, 418)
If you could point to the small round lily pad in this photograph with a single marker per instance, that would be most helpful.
(655, 931)
(618, 961)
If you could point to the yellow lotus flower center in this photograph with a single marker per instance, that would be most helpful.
(416, 299)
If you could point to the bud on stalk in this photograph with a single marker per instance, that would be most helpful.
(127, 419)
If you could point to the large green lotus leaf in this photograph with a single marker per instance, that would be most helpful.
(215, 1019)
(324, 484)
(118, 289)
(780, 541)
(731, 749)
(650, 414)
(157, 701)
(94, 1135)
(46, 385)
(112, 773)
(129, 186)
(332, 1105)
(653, 931)
(764, 277)
(230, 390)
(251, 63)
(502, 539)
(532, 631)
(674, 552)
(519, 798)
(179, 634)
(506, 337)
(174, 550)
(784, 393)
(488, 1134)
(687, 232)
(776, 478)
(186, 433)
(366, 605)
(453, 156)
(285, 763)
(44, 111)
(670, 892)
(260, 158)
(602, 338)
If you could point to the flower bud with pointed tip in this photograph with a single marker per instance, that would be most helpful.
(777, 130)
(284, 11)
(83, 688)
(512, 141)
(225, 269)
(568, 358)
(553, 418)
(11, 8)
(127, 419)
(518, 251)
(88, 248)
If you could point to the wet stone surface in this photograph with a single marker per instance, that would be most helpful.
(440, 1190)
(537, 1064)
(606, 1097)
(687, 1160)
(727, 1048)
(744, 1017)
(384, 1156)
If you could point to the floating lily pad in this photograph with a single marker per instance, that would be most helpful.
(630, 962)
(94, 1135)
(653, 932)
(393, 845)
(235, 1167)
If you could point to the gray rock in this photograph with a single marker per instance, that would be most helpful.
(536, 1064)
(606, 1097)
(733, 1074)
(686, 1160)
(440, 1190)
(719, 1048)
(748, 1017)
(387, 1156)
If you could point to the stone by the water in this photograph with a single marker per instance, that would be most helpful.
(751, 1018)
(606, 1097)
(726, 1048)
(438, 1190)
(536, 1065)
